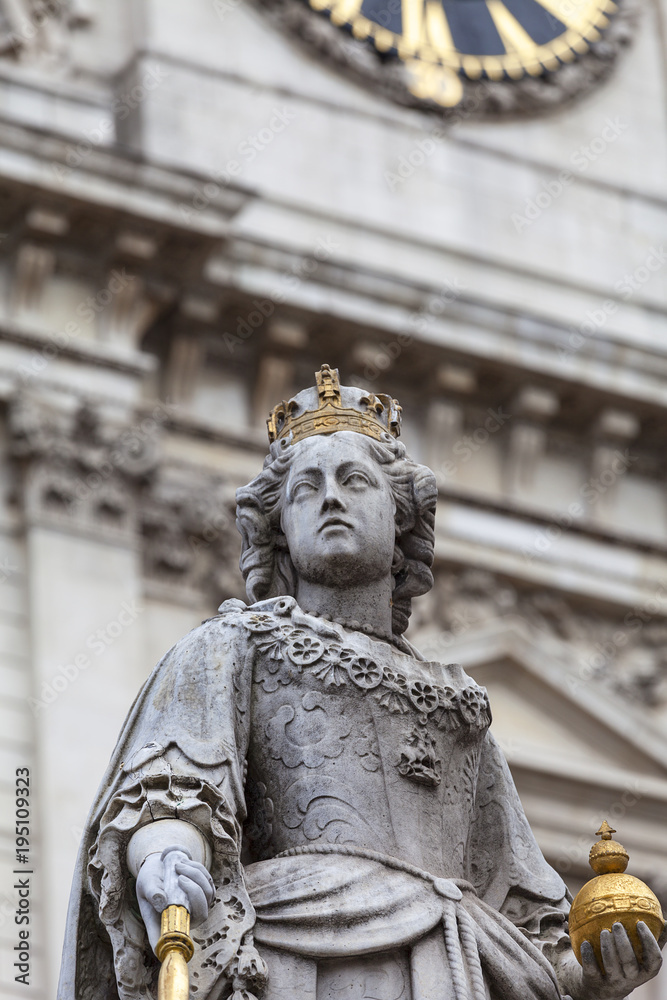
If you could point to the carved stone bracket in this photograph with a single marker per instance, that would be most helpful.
(613, 433)
(444, 427)
(34, 266)
(77, 472)
(40, 29)
(189, 537)
(532, 407)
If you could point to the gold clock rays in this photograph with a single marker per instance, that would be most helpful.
(439, 55)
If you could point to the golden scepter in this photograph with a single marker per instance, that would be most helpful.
(175, 947)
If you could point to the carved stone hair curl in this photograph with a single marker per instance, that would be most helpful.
(265, 560)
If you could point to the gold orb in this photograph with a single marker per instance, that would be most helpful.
(612, 897)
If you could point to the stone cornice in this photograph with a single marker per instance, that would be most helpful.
(97, 355)
(469, 323)
(112, 180)
(528, 513)
(78, 472)
(132, 195)
(584, 567)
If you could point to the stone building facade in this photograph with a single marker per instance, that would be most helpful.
(197, 209)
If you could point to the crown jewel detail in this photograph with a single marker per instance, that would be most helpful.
(380, 414)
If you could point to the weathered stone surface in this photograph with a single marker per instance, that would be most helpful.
(352, 798)
(116, 137)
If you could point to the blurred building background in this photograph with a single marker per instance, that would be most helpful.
(196, 211)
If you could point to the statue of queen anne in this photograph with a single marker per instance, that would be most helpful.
(348, 826)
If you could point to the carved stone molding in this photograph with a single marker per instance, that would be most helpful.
(482, 99)
(75, 471)
(613, 434)
(532, 409)
(78, 473)
(34, 266)
(38, 30)
(189, 536)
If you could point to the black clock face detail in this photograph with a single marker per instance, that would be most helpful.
(444, 42)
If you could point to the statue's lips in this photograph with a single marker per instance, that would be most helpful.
(334, 522)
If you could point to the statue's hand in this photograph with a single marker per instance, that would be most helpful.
(623, 971)
(193, 879)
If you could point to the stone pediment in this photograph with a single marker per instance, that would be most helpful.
(578, 752)
(547, 713)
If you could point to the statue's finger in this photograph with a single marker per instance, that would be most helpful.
(651, 956)
(588, 961)
(610, 958)
(625, 951)
(662, 937)
(198, 903)
(150, 883)
(158, 900)
(199, 874)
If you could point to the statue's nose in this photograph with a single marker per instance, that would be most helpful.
(332, 499)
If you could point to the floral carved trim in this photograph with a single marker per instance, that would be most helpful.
(291, 647)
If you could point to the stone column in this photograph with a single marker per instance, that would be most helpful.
(78, 487)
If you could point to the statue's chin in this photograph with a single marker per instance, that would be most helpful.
(342, 569)
(341, 558)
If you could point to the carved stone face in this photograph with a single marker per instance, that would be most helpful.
(338, 512)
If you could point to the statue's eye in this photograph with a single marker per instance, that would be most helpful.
(356, 480)
(302, 488)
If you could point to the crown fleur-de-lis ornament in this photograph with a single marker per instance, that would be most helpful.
(612, 897)
(331, 407)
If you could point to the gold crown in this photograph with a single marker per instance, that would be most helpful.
(380, 414)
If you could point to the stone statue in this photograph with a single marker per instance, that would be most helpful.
(349, 827)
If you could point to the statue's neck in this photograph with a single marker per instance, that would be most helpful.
(369, 604)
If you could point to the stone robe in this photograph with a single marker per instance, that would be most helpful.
(367, 837)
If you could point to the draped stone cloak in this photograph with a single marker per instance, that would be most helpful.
(355, 804)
